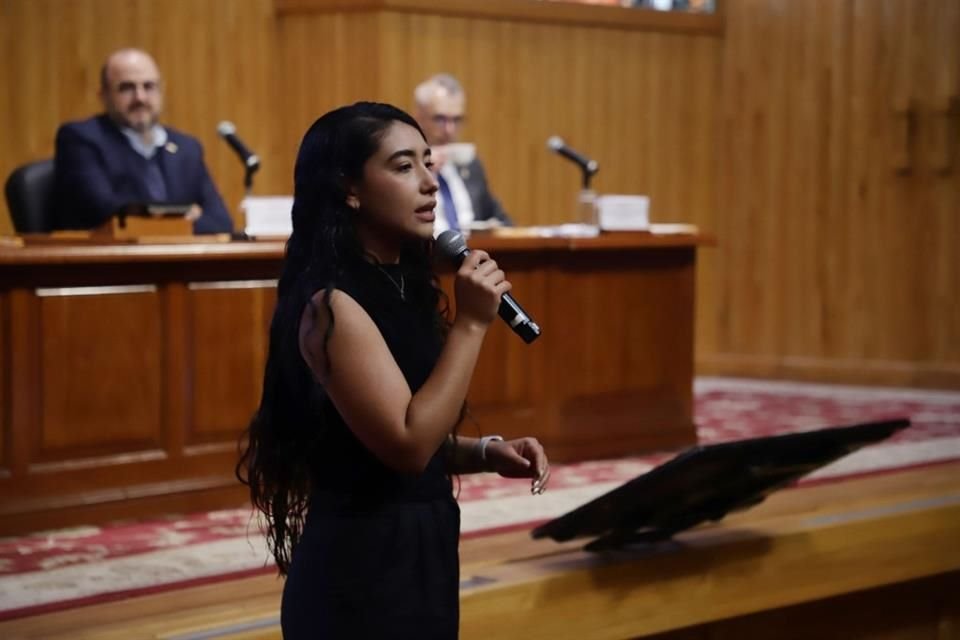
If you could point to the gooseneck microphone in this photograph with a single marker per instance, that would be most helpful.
(587, 166)
(452, 245)
(228, 132)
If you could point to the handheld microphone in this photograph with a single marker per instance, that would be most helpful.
(228, 132)
(452, 245)
(557, 145)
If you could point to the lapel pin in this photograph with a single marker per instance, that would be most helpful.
(171, 147)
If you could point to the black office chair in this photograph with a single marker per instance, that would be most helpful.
(29, 192)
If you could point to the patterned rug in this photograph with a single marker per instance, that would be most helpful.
(58, 569)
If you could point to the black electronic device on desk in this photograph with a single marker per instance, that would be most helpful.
(707, 482)
(155, 210)
(140, 221)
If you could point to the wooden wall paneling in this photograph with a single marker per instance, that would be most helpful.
(748, 233)
(218, 60)
(900, 242)
(831, 263)
(799, 186)
(939, 99)
(828, 252)
(789, 113)
(884, 317)
(608, 92)
(599, 86)
(325, 61)
(577, 13)
(228, 328)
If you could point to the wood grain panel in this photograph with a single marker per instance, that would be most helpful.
(111, 465)
(615, 355)
(164, 381)
(327, 60)
(516, 73)
(217, 58)
(229, 326)
(778, 136)
(5, 411)
(622, 369)
(101, 350)
(512, 378)
(939, 29)
(526, 10)
(620, 96)
(835, 262)
(919, 610)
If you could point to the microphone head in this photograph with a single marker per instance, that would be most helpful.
(451, 244)
(226, 128)
(555, 143)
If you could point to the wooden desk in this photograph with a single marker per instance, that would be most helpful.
(129, 371)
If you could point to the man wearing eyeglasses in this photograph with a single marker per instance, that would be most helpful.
(464, 196)
(124, 157)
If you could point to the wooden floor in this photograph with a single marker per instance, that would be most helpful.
(898, 531)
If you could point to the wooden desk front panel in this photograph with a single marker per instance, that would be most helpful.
(95, 348)
(128, 374)
(228, 326)
(130, 394)
(612, 372)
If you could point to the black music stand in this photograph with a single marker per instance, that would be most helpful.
(705, 483)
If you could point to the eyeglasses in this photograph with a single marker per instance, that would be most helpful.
(149, 86)
(444, 120)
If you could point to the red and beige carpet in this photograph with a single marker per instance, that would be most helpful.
(58, 569)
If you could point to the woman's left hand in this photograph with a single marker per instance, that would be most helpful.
(520, 458)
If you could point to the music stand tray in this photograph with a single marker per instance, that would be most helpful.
(705, 483)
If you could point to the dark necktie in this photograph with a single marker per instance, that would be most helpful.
(449, 210)
(156, 185)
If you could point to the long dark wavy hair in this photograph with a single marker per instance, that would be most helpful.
(286, 430)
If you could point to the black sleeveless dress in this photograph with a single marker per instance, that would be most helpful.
(378, 557)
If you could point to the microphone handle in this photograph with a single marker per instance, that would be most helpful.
(518, 320)
(570, 154)
(249, 159)
(511, 312)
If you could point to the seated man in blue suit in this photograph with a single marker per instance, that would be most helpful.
(464, 196)
(124, 156)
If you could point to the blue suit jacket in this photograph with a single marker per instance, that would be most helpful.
(98, 173)
(485, 205)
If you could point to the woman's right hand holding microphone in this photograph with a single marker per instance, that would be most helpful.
(478, 287)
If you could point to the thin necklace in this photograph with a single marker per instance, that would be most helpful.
(399, 287)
